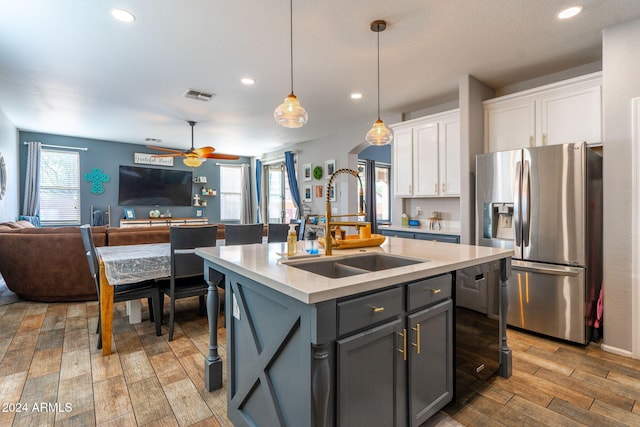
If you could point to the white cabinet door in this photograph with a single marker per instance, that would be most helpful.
(449, 157)
(425, 160)
(510, 126)
(559, 113)
(403, 161)
(571, 116)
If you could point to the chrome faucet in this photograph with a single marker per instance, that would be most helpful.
(328, 244)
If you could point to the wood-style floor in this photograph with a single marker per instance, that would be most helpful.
(52, 374)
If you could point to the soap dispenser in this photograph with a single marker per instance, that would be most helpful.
(292, 239)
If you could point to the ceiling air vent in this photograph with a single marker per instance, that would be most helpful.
(199, 95)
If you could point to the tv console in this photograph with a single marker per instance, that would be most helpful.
(145, 222)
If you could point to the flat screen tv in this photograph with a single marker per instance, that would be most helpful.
(149, 187)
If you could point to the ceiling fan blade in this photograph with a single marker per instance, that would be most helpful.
(170, 150)
(221, 156)
(203, 151)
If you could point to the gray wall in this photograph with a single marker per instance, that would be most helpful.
(9, 205)
(109, 156)
(621, 75)
(343, 147)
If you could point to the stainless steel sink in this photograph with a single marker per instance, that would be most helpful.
(353, 264)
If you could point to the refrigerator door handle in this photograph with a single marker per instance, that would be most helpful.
(536, 267)
(526, 204)
(516, 205)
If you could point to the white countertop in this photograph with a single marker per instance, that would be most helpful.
(262, 263)
(422, 229)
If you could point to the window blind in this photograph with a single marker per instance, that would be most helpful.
(59, 188)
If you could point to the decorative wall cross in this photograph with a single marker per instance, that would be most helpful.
(96, 177)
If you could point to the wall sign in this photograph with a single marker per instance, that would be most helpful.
(149, 159)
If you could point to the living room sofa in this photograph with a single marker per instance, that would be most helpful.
(49, 264)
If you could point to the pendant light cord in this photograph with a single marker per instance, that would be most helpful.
(291, 40)
(378, 74)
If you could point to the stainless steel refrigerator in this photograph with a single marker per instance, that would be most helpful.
(546, 204)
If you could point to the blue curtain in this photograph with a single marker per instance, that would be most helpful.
(258, 187)
(293, 181)
(370, 194)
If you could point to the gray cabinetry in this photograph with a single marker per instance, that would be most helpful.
(371, 377)
(446, 238)
(430, 361)
(405, 364)
(397, 233)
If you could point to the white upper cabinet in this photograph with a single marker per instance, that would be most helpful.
(567, 111)
(426, 156)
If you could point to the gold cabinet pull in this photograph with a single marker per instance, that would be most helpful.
(531, 143)
(417, 343)
(433, 291)
(404, 344)
(375, 309)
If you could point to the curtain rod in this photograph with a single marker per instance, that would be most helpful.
(62, 146)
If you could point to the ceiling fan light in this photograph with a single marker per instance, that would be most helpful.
(379, 134)
(290, 113)
(192, 162)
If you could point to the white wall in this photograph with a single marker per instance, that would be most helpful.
(9, 205)
(621, 76)
(342, 147)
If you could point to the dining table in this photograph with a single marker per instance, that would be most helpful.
(122, 265)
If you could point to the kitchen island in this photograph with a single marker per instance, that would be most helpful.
(355, 348)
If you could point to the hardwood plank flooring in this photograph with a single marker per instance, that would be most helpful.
(48, 358)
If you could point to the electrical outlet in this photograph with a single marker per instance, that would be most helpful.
(418, 210)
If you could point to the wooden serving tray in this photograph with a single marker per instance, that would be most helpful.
(354, 241)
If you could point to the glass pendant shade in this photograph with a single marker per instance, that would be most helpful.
(192, 162)
(379, 134)
(290, 113)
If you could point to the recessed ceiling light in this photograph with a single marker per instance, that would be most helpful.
(570, 12)
(356, 95)
(123, 15)
(247, 81)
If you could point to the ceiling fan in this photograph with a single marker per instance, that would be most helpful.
(193, 157)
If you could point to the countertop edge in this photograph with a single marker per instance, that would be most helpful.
(329, 289)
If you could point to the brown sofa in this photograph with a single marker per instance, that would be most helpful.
(49, 264)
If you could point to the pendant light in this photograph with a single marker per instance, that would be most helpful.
(379, 134)
(290, 113)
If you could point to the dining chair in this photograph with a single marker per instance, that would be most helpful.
(239, 234)
(242, 234)
(134, 291)
(277, 232)
(187, 268)
(299, 227)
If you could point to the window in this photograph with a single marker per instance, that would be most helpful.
(383, 195)
(280, 205)
(59, 187)
(230, 193)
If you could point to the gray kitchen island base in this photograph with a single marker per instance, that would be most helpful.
(376, 348)
(297, 364)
